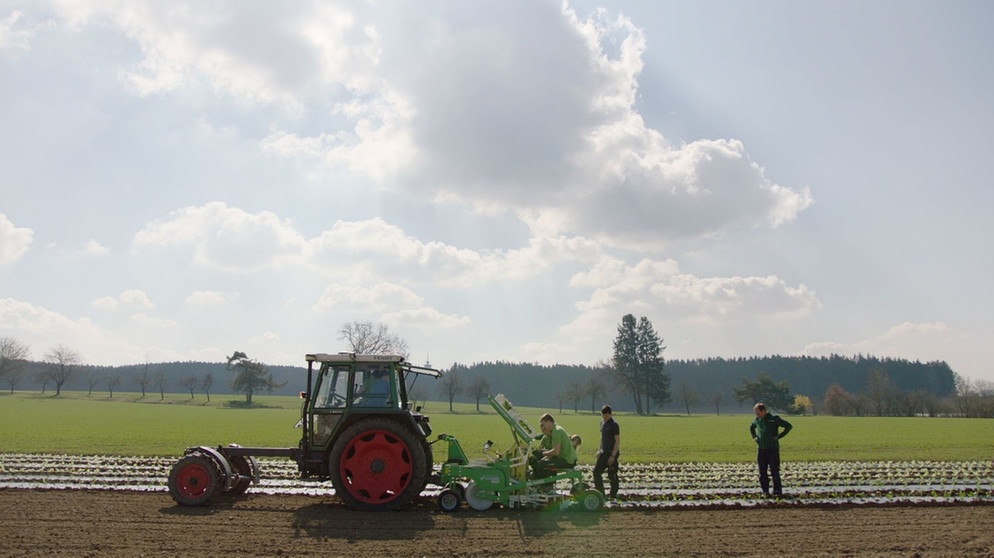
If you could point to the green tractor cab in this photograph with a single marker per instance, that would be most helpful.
(505, 478)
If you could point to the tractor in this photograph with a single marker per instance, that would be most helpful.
(505, 477)
(358, 431)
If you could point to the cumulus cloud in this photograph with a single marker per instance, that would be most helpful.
(14, 241)
(131, 299)
(17, 31)
(385, 249)
(48, 328)
(522, 108)
(658, 289)
(553, 135)
(93, 248)
(226, 238)
(912, 340)
(394, 303)
(209, 299)
(527, 107)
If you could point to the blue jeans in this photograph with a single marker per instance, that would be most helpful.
(769, 459)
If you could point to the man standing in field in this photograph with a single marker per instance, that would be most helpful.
(607, 454)
(765, 430)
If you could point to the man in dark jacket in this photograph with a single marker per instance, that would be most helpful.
(607, 454)
(766, 431)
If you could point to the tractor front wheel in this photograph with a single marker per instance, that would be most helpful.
(449, 500)
(194, 480)
(378, 464)
(590, 500)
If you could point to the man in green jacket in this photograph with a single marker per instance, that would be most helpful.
(556, 451)
(766, 431)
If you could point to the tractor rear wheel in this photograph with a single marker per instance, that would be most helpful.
(378, 464)
(429, 464)
(194, 480)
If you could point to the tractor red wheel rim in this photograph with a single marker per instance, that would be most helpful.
(193, 480)
(376, 467)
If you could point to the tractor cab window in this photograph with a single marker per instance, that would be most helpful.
(373, 386)
(333, 387)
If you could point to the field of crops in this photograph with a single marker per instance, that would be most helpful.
(668, 461)
(643, 485)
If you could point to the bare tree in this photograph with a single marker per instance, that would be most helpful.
(13, 359)
(190, 384)
(206, 381)
(113, 380)
(717, 399)
(880, 391)
(372, 339)
(43, 377)
(61, 365)
(159, 380)
(450, 386)
(574, 393)
(595, 388)
(92, 379)
(687, 395)
(562, 396)
(144, 378)
(478, 389)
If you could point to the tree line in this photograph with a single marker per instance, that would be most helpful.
(635, 379)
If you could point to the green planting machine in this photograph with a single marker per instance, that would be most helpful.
(505, 477)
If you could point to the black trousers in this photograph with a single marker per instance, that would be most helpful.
(612, 474)
(769, 466)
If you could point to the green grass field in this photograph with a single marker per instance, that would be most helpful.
(75, 423)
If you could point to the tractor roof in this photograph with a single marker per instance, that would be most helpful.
(346, 358)
(352, 357)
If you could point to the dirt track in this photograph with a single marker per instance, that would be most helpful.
(98, 523)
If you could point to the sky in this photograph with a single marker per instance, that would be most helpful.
(497, 180)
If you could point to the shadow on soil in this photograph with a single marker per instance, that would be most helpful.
(336, 522)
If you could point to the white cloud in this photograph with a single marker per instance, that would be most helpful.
(209, 299)
(94, 249)
(378, 297)
(458, 167)
(132, 299)
(910, 340)
(576, 159)
(146, 320)
(658, 290)
(226, 238)
(392, 303)
(376, 248)
(17, 32)
(47, 329)
(14, 241)
(425, 318)
(266, 339)
(539, 119)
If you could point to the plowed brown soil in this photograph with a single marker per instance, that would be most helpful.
(96, 523)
